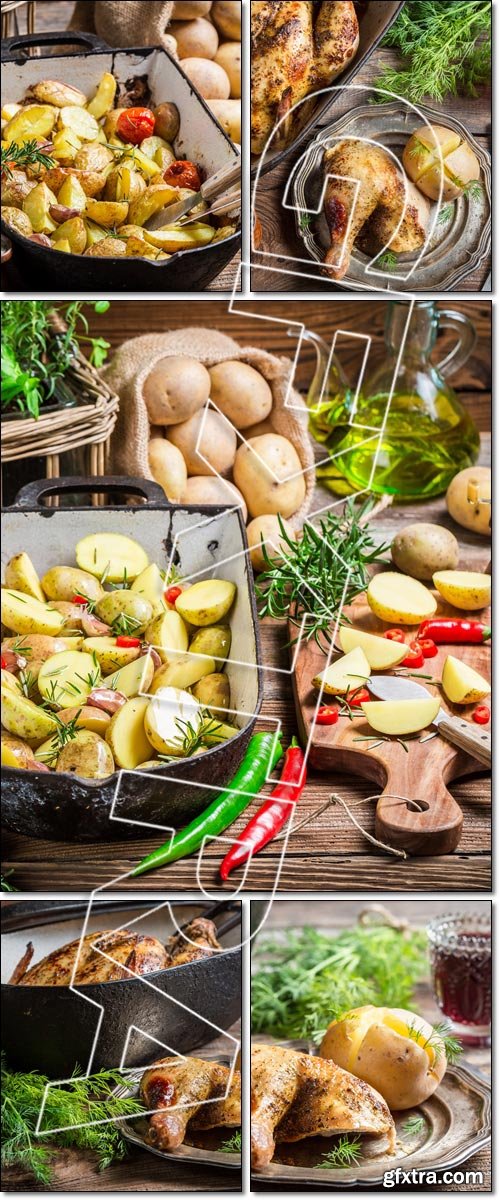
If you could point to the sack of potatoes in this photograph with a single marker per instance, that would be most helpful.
(208, 44)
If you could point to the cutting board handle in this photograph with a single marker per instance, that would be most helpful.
(436, 828)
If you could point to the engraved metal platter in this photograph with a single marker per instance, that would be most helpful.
(460, 240)
(201, 1147)
(438, 1135)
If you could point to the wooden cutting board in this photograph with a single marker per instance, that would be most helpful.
(419, 774)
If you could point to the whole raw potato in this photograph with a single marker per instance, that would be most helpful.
(266, 529)
(468, 499)
(175, 389)
(375, 1044)
(228, 114)
(198, 38)
(167, 467)
(210, 80)
(268, 470)
(419, 550)
(215, 439)
(226, 15)
(186, 10)
(241, 393)
(261, 427)
(208, 489)
(228, 57)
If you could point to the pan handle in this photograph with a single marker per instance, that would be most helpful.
(22, 43)
(32, 494)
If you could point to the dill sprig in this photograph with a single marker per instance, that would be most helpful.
(441, 1040)
(445, 47)
(413, 1125)
(233, 1144)
(347, 1153)
(22, 155)
(81, 1101)
(328, 567)
(387, 262)
(307, 979)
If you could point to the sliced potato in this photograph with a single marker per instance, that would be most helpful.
(153, 199)
(462, 684)
(16, 753)
(150, 145)
(134, 679)
(9, 680)
(25, 614)
(74, 233)
(148, 166)
(52, 91)
(110, 656)
(401, 717)
(119, 556)
(104, 98)
(168, 634)
(16, 219)
(206, 602)
(182, 672)
(62, 583)
(25, 719)
(32, 121)
(173, 239)
(65, 146)
(124, 603)
(110, 122)
(348, 672)
(63, 246)
(94, 157)
(125, 734)
(20, 574)
(38, 647)
(400, 599)
(80, 121)
(150, 584)
(137, 247)
(37, 206)
(221, 732)
(107, 247)
(124, 184)
(92, 181)
(86, 755)
(66, 679)
(106, 212)
(86, 717)
(469, 590)
(95, 233)
(164, 716)
(381, 654)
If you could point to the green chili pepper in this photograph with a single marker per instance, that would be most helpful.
(262, 756)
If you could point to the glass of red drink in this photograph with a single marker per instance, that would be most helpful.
(460, 953)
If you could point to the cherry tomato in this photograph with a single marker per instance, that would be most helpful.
(481, 715)
(172, 593)
(358, 696)
(79, 600)
(414, 658)
(428, 647)
(4, 663)
(327, 715)
(394, 635)
(135, 124)
(122, 640)
(183, 174)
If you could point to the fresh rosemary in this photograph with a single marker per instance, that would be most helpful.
(125, 624)
(347, 1153)
(319, 574)
(22, 155)
(36, 356)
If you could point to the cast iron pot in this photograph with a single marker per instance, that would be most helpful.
(200, 139)
(52, 1029)
(128, 804)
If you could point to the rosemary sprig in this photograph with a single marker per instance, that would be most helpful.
(27, 681)
(65, 732)
(22, 155)
(126, 624)
(233, 1144)
(347, 1153)
(192, 736)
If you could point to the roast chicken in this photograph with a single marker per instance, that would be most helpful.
(137, 952)
(297, 48)
(297, 1095)
(181, 1089)
(368, 215)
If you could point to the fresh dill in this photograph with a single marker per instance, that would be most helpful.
(233, 1144)
(413, 1125)
(305, 221)
(473, 189)
(445, 48)
(387, 262)
(441, 1040)
(347, 1153)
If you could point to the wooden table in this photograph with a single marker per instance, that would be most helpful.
(278, 223)
(76, 1170)
(328, 917)
(329, 854)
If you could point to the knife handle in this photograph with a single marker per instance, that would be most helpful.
(230, 173)
(473, 739)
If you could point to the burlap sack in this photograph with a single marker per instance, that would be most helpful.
(135, 359)
(133, 23)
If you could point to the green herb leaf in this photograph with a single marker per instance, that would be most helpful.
(233, 1144)
(445, 48)
(347, 1153)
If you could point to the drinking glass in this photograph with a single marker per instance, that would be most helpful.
(460, 954)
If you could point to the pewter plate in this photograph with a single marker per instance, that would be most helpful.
(207, 1149)
(457, 1123)
(460, 238)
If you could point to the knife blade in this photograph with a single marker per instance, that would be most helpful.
(224, 178)
(173, 212)
(458, 731)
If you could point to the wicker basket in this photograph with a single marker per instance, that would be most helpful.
(88, 424)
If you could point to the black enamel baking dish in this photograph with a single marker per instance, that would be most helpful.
(52, 1029)
(200, 139)
(62, 806)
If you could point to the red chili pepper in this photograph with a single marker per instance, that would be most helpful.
(183, 174)
(454, 630)
(481, 715)
(125, 641)
(358, 696)
(394, 635)
(328, 714)
(135, 124)
(83, 600)
(414, 658)
(172, 593)
(428, 647)
(271, 817)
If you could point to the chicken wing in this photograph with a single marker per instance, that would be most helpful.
(292, 55)
(136, 951)
(180, 949)
(188, 1083)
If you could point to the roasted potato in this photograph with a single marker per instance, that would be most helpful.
(32, 121)
(15, 189)
(37, 207)
(86, 755)
(16, 753)
(137, 247)
(74, 233)
(107, 247)
(20, 574)
(173, 239)
(167, 121)
(18, 220)
(106, 212)
(111, 121)
(104, 98)
(93, 157)
(80, 121)
(92, 182)
(52, 91)
(156, 197)
(124, 184)
(125, 734)
(95, 234)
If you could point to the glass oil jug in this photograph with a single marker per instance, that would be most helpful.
(408, 433)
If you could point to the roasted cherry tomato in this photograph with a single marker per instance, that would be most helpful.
(327, 715)
(135, 124)
(79, 600)
(481, 715)
(415, 657)
(183, 174)
(394, 635)
(172, 593)
(428, 647)
(4, 663)
(358, 696)
(123, 640)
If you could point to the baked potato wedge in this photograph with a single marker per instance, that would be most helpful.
(65, 146)
(134, 679)
(104, 98)
(172, 239)
(110, 657)
(80, 121)
(109, 213)
(52, 91)
(16, 753)
(72, 232)
(94, 157)
(37, 207)
(66, 679)
(32, 121)
(125, 734)
(122, 558)
(25, 614)
(20, 574)
(107, 247)
(154, 198)
(18, 220)
(25, 719)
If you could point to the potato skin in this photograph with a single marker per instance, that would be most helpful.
(16, 753)
(228, 114)
(175, 389)
(197, 37)
(207, 77)
(241, 393)
(25, 719)
(216, 441)
(266, 529)
(213, 692)
(86, 755)
(113, 604)
(167, 121)
(421, 549)
(86, 717)
(167, 466)
(226, 15)
(228, 57)
(476, 516)
(207, 489)
(267, 470)
(214, 640)
(62, 583)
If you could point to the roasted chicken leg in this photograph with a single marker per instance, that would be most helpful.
(296, 1095)
(181, 1089)
(297, 47)
(180, 949)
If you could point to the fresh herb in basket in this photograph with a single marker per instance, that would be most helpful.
(307, 979)
(40, 340)
(326, 569)
(80, 1102)
(445, 46)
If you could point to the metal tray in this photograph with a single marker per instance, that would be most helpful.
(458, 244)
(457, 1124)
(207, 1149)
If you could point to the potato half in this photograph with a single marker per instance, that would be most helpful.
(393, 1050)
